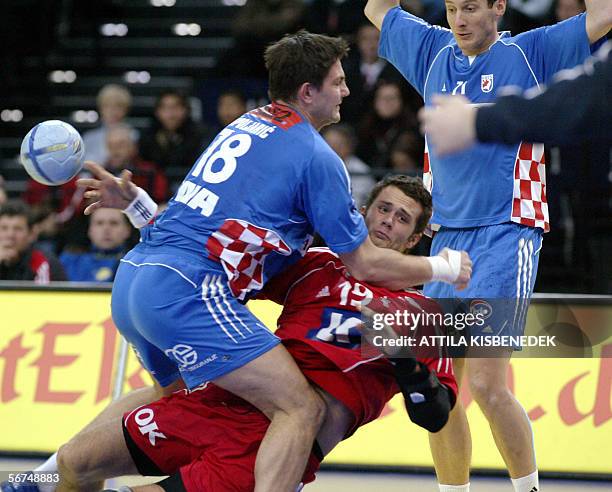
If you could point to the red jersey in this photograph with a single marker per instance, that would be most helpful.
(321, 307)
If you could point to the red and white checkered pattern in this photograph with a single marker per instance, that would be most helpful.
(529, 205)
(242, 249)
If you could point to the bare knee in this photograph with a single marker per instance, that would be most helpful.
(307, 407)
(489, 395)
(72, 465)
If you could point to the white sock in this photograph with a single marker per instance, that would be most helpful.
(530, 483)
(454, 488)
(48, 466)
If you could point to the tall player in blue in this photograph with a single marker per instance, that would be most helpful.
(491, 199)
(248, 209)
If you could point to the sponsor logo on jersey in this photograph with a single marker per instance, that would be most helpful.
(144, 419)
(324, 292)
(486, 82)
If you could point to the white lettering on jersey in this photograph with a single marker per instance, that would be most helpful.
(196, 196)
(460, 88)
(256, 128)
(338, 328)
(361, 292)
(144, 420)
(226, 147)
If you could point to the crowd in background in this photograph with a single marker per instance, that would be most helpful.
(378, 135)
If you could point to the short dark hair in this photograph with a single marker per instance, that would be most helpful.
(411, 187)
(299, 58)
(16, 208)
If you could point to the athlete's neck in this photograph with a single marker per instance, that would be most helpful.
(482, 50)
(303, 111)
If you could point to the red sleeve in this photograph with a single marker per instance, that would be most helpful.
(277, 287)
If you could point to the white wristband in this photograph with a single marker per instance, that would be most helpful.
(141, 210)
(443, 270)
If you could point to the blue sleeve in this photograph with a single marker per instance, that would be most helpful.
(327, 202)
(557, 47)
(411, 45)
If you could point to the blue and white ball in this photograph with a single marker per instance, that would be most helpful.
(52, 152)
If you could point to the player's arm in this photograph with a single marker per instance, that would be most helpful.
(598, 19)
(107, 191)
(375, 10)
(396, 271)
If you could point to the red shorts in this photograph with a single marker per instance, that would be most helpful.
(211, 437)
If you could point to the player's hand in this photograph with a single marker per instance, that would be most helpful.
(465, 269)
(107, 190)
(368, 332)
(450, 124)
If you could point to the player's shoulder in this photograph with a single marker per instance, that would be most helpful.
(321, 254)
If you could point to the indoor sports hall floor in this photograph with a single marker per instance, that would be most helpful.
(331, 481)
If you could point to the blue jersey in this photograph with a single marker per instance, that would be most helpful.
(253, 199)
(489, 183)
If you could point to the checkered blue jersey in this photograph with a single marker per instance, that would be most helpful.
(254, 198)
(488, 183)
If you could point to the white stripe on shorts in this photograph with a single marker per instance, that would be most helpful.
(205, 288)
(229, 307)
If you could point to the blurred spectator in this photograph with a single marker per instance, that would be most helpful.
(524, 15)
(364, 70)
(58, 212)
(341, 138)
(108, 233)
(384, 125)
(123, 154)
(335, 17)
(406, 154)
(174, 140)
(19, 260)
(114, 103)
(256, 25)
(231, 104)
(564, 9)
(3, 196)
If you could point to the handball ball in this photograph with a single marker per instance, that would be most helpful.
(52, 152)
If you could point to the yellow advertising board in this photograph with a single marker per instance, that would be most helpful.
(57, 351)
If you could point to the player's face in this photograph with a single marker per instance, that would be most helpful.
(474, 23)
(325, 107)
(391, 219)
(108, 228)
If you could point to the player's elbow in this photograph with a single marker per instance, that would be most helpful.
(375, 10)
(372, 12)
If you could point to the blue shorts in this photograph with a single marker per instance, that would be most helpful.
(504, 268)
(182, 320)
